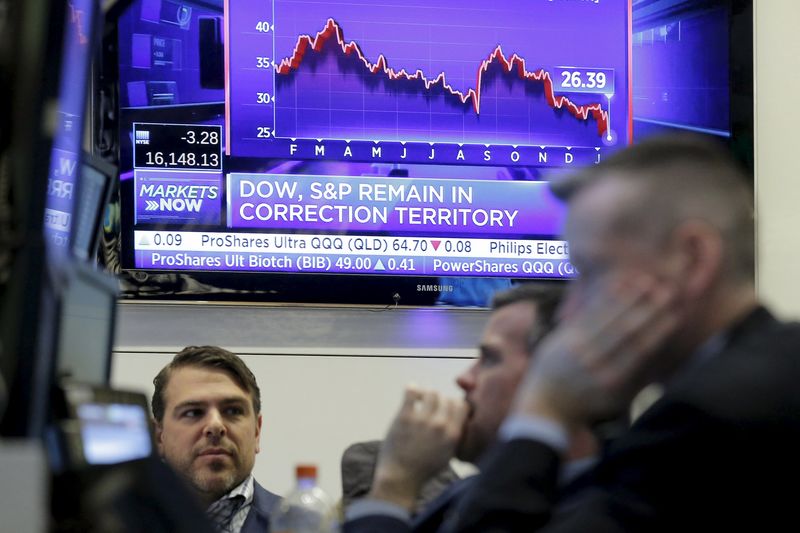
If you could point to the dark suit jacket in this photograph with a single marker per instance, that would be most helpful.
(720, 451)
(429, 520)
(257, 520)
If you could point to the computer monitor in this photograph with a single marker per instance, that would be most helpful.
(87, 312)
(96, 180)
(105, 469)
(88, 295)
(105, 426)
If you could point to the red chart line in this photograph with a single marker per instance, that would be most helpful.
(514, 63)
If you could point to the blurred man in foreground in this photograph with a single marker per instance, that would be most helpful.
(662, 235)
(207, 410)
(431, 429)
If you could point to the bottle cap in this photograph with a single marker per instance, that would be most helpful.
(306, 471)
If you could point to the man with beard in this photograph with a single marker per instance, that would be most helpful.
(207, 411)
(430, 429)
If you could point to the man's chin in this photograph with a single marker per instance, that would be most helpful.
(217, 483)
(467, 451)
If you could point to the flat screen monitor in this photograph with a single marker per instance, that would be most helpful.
(114, 432)
(370, 152)
(97, 178)
(86, 318)
(105, 426)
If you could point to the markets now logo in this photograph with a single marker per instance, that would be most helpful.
(176, 198)
(176, 205)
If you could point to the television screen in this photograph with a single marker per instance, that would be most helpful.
(407, 141)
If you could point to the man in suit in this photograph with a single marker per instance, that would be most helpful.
(207, 411)
(430, 429)
(662, 235)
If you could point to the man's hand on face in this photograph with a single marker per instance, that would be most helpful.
(421, 441)
(591, 366)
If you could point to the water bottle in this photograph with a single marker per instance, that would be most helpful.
(307, 509)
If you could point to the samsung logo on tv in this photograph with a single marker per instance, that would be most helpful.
(434, 288)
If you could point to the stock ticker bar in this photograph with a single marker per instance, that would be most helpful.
(322, 253)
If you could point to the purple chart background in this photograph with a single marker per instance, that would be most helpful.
(326, 93)
(681, 72)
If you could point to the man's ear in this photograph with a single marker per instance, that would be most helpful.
(158, 429)
(700, 249)
(258, 433)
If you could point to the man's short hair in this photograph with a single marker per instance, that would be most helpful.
(677, 178)
(545, 296)
(660, 156)
(209, 357)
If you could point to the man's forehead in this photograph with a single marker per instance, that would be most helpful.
(201, 383)
(597, 206)
(512, 320)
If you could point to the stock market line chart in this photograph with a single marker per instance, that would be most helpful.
(431, 82)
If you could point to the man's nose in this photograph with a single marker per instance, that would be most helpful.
(466, 380)
(215, 426)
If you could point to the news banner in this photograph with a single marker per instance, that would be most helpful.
(333, 224)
